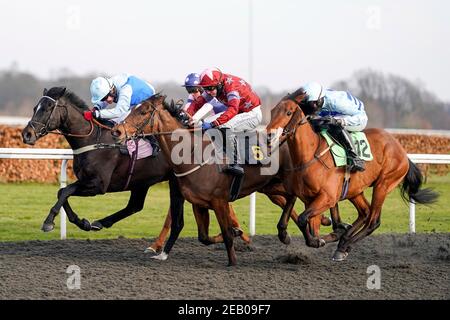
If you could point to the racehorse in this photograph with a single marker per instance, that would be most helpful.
(318, 183)
(203, 184)
(101, 168)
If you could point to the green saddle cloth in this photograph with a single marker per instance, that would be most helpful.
(359, 140)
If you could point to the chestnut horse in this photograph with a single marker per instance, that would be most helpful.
(318, 183)
(203, 184)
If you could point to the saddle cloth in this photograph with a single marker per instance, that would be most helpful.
(145, 148)
(359, 140)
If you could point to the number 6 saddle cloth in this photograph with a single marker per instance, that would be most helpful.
(360, 142)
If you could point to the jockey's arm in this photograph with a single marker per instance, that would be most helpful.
(195, 105)
(356, 122)
(233, 109)
(122, 106)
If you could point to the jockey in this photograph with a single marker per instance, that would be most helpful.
(209, 109)
(236, 105)
(193, 89)
(125, 90)
(341, 111)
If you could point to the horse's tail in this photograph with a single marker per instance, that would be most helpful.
(410, 189)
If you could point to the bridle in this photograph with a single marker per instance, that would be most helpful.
(41, 129)
(290, 130)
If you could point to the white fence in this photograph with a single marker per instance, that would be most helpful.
(66, 154)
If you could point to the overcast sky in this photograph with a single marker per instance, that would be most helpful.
(293, 41)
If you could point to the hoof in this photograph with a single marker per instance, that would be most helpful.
(325, 221)
(284, 237)
(162, 256)
(96, 226)
(339, 256)
(237, 232)
(47, 227)
(85, 225)
(151, 250)
(321, 242)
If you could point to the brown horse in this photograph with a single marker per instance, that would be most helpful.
(203, 184)
(318, 183)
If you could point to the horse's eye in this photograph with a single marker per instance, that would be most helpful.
(289, 113)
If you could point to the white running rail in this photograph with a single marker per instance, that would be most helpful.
(66, 154)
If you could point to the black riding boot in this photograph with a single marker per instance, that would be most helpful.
(155, 145)
(344, 138)
(234, 167)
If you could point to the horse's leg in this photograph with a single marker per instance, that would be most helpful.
(83, 224)
(63, 194)
(339, 228)
(177, 215)
(222, 211)
(135, 204)
(288, 206)
(371, 223)
(157, 245)
(236, 227)
(201, 215)
(310, 220)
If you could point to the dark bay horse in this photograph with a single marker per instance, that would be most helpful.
(203, 185)
(102, 170)
(318, 183)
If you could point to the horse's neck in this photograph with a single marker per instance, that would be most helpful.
(167, 145)
(303, 144)
(74, 123)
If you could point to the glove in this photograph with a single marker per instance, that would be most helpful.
(206, 126)
(332, 121)
(91, 114)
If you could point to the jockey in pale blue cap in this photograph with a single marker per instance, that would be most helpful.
(125, 90)
(341, 112)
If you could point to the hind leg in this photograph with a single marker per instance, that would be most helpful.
(370, 223)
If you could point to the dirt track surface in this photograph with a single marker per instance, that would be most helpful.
(412, 267)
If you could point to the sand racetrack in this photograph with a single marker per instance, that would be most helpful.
(412, 267)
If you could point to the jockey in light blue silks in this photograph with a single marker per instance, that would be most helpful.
(340, 111)
(125, 90)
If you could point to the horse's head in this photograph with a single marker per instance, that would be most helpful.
(45, 116)
(287, 114)
(143, 119)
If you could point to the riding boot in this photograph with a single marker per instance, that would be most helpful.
(154, 143)
(234, 167)
(344, 138)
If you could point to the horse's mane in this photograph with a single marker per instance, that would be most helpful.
(296, 93)
(75, 100)
(69, 95)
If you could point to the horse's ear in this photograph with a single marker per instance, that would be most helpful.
(44, 93)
